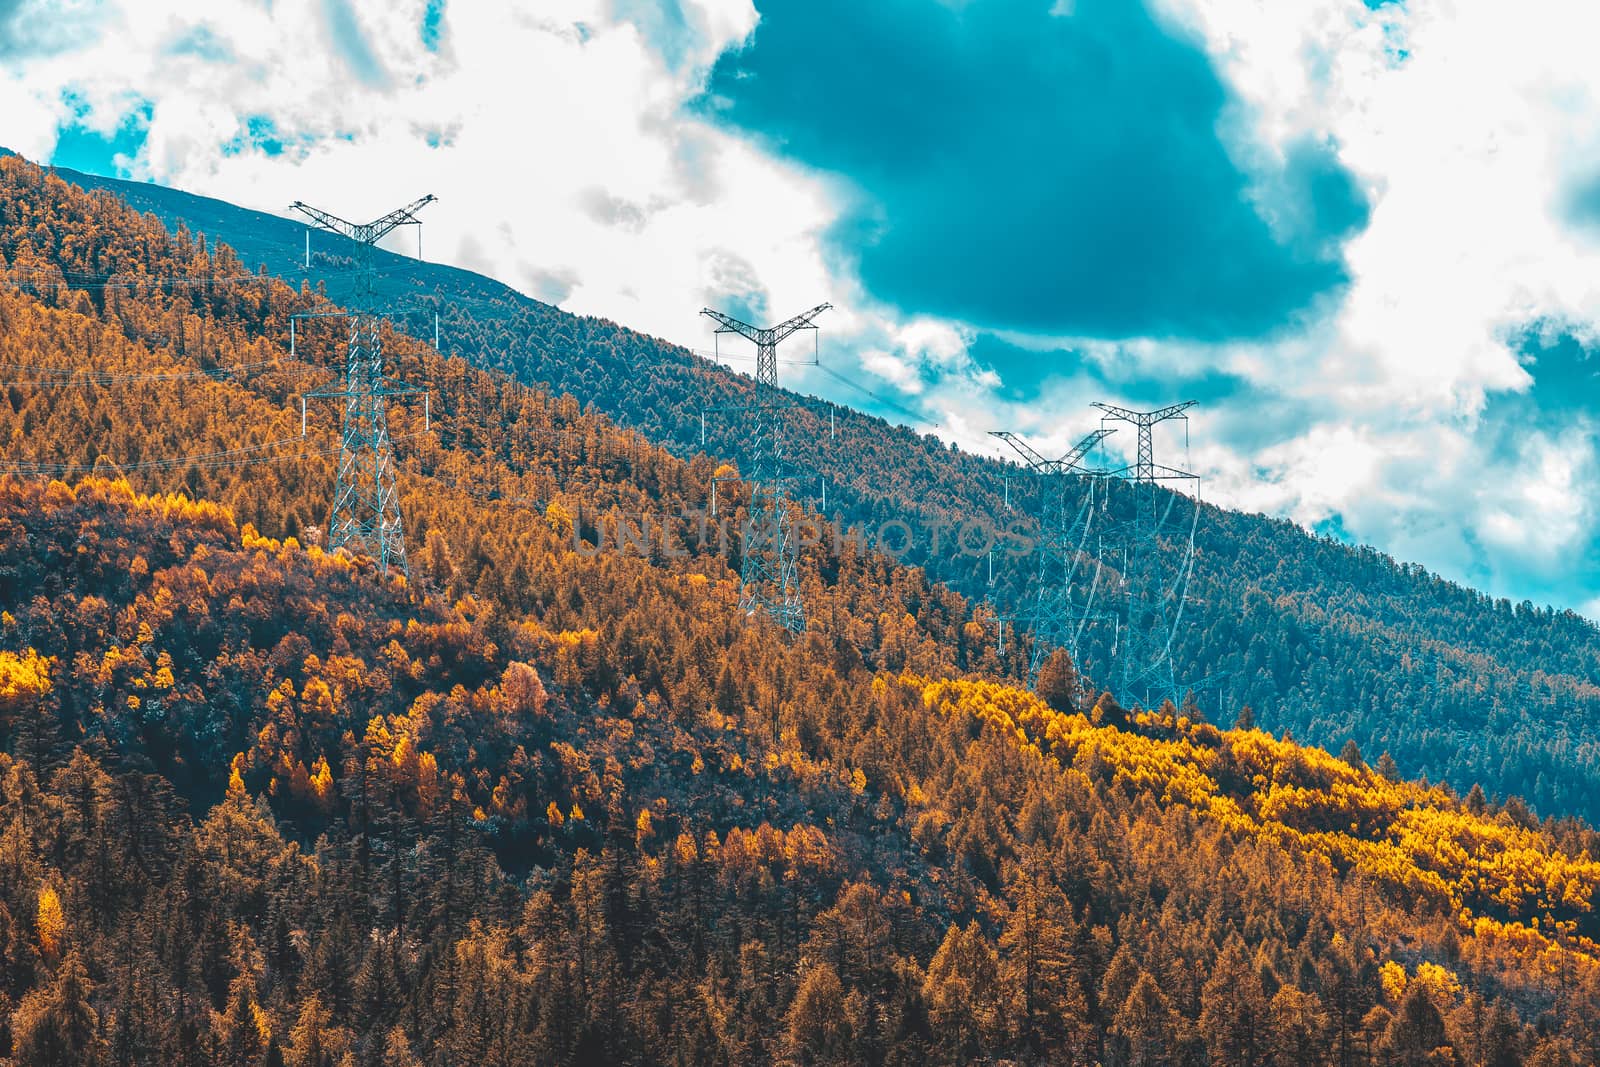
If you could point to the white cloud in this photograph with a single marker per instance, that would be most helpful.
(1467, 125)
(555, 137)
(567, 164)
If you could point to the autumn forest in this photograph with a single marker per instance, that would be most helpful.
(262, 804)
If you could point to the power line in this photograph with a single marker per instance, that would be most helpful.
(224, 457)
(83, 280)
(885, 401)
(718, 357)
(166, 463)
(1155, 604)
(61, 377)
(233, 457)
(511, 302)
(1062, 601)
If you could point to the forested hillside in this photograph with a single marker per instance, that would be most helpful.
(543, 804)
(1323, 639)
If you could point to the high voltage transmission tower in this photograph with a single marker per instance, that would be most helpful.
(1155, 593)
(767, 578)
(1061, 603)
(365, 517)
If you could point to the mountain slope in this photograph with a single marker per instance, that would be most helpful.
(550, 805)
(1330, 641)
(457, 833)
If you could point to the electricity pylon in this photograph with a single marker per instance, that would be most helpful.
(1155, 594)
(1061, 603)
(768, 581)
(365, 517)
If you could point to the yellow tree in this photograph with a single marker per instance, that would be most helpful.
(57, 1026)
(51, 923)
(1147, 1025)
(962, 989)
(1233, 1012)
(1040, 971)
(818, 1029)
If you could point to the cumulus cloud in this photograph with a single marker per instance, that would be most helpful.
(553, 136)
(1443, 405)
(1023, 167)
(1471, 126)
(1367, 237)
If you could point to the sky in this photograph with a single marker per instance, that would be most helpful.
(1364, 235)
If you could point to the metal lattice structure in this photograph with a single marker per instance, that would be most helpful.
(365, 517)
(1062, 601)
(768, 581)
(1156, 582)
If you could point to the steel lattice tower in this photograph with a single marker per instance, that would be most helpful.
(1154, 604)
(1061, 603)
(365, 517)
(768, 581)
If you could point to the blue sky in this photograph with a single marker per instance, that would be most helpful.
(1366, 237)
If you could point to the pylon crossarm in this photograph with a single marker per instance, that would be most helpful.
(1033, 460)
(405, 216)
(729, 324)
(402, 390)
(771, 335)
(1071, 463)
(802, 321)
(1074, 458)
(365, 232)
(325, 219)
(1146, 417)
